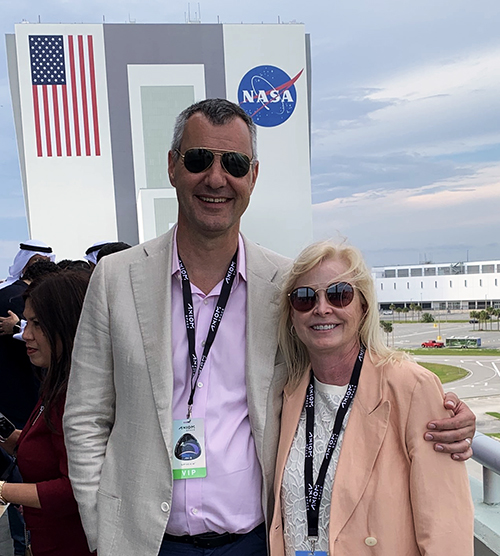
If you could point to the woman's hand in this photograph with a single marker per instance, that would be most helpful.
(21, 493)
(10, 442)
(453, 435)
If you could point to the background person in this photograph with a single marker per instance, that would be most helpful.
(354, 473)
(52, 309)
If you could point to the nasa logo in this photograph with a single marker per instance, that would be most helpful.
(268, 95)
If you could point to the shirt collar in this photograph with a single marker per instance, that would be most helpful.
(241, 264)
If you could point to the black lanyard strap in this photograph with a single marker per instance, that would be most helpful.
(314, 490)
(214, 325)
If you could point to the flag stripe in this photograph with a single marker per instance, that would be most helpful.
(94, 96)
(84, 96)
(74, 96)
(66, 121)
(38, 134)
(48, 141)
(57, 127)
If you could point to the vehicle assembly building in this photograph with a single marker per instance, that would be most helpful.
(94, 109)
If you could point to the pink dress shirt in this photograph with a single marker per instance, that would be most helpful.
(228, 499)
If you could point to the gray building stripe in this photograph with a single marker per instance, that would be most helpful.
(150, 44)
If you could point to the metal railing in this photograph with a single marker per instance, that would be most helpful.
(487, 453)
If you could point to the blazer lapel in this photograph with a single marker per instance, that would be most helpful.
(363, 438)
(151, 286)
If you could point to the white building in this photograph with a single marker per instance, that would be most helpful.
(94, 109)
(463, 285)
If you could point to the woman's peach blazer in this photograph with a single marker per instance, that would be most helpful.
(393, 495)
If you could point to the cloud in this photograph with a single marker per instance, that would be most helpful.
(455, 214)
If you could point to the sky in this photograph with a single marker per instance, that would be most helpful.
(405, 159)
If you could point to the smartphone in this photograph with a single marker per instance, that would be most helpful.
(6, 428)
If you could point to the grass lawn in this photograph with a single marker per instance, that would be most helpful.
(454, 351)
(493, 414)
(493, 434)
(445, 373)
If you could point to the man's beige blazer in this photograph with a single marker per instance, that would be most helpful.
(118, 422)
(393, 495)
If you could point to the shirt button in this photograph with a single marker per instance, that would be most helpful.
(194, 511)
(203, 343)
(164, 507)
(200, 384)
(205, 302)
(370, 541)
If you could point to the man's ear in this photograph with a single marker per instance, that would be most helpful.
(171, 168)
(255, 173)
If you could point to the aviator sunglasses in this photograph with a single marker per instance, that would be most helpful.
(198, 160)
(338, 295)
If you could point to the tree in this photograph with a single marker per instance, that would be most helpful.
(418, 308)
(399, 310)
(387, 328)
(392, 307)
(406, 311)
(474, 316)
(483, 317)
(496, 313)
(427, 317)
(412, 309)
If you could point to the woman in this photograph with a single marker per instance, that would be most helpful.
(382, 490)
(52, 309)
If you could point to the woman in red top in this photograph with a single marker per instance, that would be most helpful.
(52, 311)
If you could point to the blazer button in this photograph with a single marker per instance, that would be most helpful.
(164, 507)
(370, 541)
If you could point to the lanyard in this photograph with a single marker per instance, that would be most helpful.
(214, 325)
(314, 491)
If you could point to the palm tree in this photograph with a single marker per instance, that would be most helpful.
(474, 315)
(406, 311)
(387, 328)
(392, 307)
(399, 310)
(412, 309)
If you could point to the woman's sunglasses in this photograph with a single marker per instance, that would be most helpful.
(198, 160)
(339, 295)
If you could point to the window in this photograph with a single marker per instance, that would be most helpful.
(496, 281)
(403, 273)
(488, 268)
(435, 284)
(473, 269)
(389, 274)
(481, 283)
(381, 286)
(430, 271)
(451, 283)
(444, 270)
(407, 285)
(465, 283)
(418, 271)
(394, 285)
(421, 285)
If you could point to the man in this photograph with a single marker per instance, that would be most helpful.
(140, 416)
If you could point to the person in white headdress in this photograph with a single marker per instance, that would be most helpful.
(29, 252)
(93, 251)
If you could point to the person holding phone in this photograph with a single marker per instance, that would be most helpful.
(52, 310)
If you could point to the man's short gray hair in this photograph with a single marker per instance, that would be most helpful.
(218, 111)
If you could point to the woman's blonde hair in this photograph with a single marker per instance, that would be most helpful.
(357, 274)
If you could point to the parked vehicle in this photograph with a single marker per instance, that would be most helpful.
(433, 344)
(473, 321)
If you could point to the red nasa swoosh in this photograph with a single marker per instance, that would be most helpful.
(283, 87)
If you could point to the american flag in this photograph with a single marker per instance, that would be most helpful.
(64, 95)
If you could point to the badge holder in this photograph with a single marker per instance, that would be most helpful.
(189, 449)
